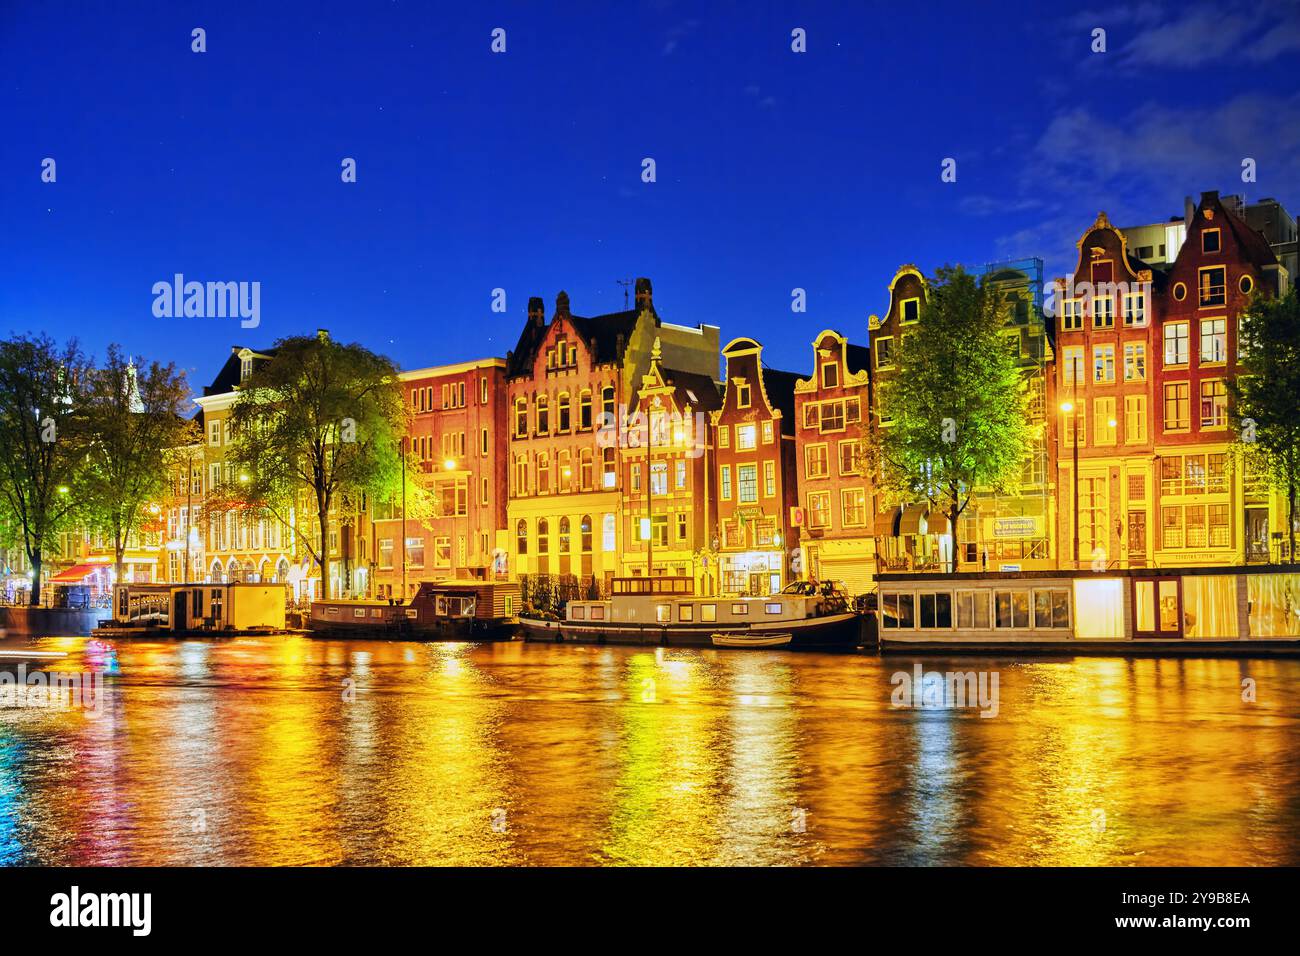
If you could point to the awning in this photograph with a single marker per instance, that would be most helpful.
(913, 520)
(77, 573)
(937, 522)
(887, 522)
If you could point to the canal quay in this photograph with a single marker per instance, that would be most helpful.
(285, 750)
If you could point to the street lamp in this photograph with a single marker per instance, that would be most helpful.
(1068, 409)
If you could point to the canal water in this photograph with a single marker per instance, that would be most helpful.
(286, 750)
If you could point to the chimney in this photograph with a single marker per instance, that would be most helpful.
(536, 311)
(562, 303)
(1189, 210)
(645, 297)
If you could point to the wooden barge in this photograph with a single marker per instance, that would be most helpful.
(439, 611)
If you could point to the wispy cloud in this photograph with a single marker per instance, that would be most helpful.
(1138, 166)
(676, 34)
(1197, 34)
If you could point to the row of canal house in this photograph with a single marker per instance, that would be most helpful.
(1148, 344)
(623, 444)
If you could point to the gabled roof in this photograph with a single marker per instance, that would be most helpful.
(606, 336)
(1252, 242)
(229, 376)
(779, 387)
(695, 389)
(858, 357)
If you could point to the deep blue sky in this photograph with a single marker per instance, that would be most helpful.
(775, 169)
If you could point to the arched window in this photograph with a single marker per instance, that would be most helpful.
(562, 410)
(521, 417)
(584, 469)
(543, 536)
(543, 415)
(608, 467)
(586, 534)
(564, 535)
(543, 473)
(584, 409)
(521, 475)
(563, 471)
(607, 405)
(521, 537)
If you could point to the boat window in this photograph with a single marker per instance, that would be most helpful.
(412, 613)
(774, 608)
(510, 605)
(907, 610)
(936, 610)
(1100, 603)
(663, 613)
(598, 613)
(1274, 604)
(358, 612)
(328, 610)
(888, 610)
(377, 612)
(1011, 608)
(973, 609)
(578, 612)
(740, 609)
(708, 612)
(686, 612)
(1051, 608)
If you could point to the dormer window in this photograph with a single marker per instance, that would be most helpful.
(245, 367)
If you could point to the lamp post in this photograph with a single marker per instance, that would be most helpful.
(1068, 409)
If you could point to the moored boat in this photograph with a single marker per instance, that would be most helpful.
(664, 611)
(439, 611)
(1249, 609)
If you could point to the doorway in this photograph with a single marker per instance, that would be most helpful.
(1157, 607)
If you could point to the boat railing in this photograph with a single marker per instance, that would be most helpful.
(659, 585)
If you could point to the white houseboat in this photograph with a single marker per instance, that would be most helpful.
(1233, 610)
(199, 608)
(665, 611)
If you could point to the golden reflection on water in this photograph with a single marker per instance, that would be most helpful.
(292, 751)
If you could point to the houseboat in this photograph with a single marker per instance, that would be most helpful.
(665, 611)
(1251, 609)
(194, 609)
(439, 611)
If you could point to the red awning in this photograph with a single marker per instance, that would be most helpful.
(78, 573)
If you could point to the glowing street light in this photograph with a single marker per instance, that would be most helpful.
(449, 464)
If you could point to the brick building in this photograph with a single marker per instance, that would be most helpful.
(455, 453)
(669, 509)
(756, 473)
(570, 384)
(832, 418)
(1210, 512)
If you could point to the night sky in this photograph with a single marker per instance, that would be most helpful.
(522, 170)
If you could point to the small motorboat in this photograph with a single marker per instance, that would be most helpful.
(750, 639)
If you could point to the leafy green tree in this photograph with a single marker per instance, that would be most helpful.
(1265, 407)
(135, 417)
(319, 419)
(957, 407)
(42, 441)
